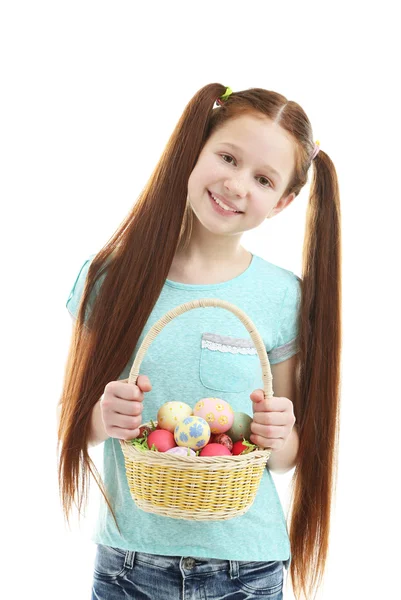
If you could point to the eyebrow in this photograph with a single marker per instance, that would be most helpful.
(267, 167)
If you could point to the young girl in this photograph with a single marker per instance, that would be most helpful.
(233, 160)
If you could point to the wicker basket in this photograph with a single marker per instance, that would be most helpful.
(196, 488)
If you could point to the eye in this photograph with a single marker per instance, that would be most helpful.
(264, 185)
(222, 155)
(261, 176)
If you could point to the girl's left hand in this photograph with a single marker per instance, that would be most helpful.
(273, 420)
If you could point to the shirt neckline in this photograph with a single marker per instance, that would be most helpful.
(211, 286)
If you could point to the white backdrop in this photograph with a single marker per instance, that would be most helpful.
(90, 94)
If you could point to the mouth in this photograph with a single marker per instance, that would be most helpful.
(224, 206)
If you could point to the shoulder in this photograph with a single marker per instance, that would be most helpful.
(78, 286)
(277, 276)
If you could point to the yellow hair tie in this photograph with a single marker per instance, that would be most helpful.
(225, 96)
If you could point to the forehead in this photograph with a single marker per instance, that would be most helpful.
(253, 129)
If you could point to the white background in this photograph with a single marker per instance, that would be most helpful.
(91, 92)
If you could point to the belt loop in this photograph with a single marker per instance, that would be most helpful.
(129, 559)
(234, 569)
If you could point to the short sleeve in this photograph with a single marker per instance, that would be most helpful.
(76, 292)
(288, 326)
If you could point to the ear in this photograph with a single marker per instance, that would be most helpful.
(281, 205)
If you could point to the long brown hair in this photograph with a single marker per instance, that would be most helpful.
(138, 259)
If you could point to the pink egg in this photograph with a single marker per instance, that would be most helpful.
(162, 439)
(217, 413)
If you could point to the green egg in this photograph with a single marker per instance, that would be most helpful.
(241, 428)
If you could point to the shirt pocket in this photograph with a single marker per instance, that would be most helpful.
(228, 364)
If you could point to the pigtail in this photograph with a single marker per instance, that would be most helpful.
(317, 403)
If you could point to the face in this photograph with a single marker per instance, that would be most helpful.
(236, 165)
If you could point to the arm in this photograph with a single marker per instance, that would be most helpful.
(284, 384)
(97, 433)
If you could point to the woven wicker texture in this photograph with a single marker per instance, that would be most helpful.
(201, 488)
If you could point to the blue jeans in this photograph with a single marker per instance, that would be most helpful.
(122, 574)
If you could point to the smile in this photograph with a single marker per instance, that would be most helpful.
(222, 205)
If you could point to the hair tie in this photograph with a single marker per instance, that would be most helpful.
(316, 149)
(224, 97)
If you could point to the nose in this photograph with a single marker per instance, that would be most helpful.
(235, 186)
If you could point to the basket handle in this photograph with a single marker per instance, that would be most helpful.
(205, 303)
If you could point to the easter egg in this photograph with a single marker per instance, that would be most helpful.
(216, 412)
(192, 432)
(241, 427)
(215, 450)
(222, 438)
(162, 439)
(171, 413)
(241, 448)
(181, 451)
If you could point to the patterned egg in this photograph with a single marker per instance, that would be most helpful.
(222, 438)
(170, 413)
(181, 451)
(241, 427)
(217, 412)
(192, 432)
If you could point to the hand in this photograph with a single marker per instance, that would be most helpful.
(273, 421)
(121, 407)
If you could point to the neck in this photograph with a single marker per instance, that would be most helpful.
(208, 249)
(194, 266)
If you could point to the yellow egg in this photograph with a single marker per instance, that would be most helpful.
(192, 432)
(171, 413)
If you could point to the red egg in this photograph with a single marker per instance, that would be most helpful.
(162, 439)
(215, 450)
(239, 447)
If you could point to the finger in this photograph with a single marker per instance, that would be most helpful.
(273, 444)
(143, 385)
(123, 434)
(143, 382)
(125, 391)
(126, 422)
(261, 406)
(257, 395)
(273, 404)
(130, 408)
(269, 418)
(267, 431)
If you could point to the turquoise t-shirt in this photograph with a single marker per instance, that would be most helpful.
(206, 352)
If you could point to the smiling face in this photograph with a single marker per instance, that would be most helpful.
(237, 165)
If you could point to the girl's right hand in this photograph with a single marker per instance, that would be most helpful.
(121, 407)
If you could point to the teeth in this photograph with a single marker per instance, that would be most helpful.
(224, 206)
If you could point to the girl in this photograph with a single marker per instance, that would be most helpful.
(225, 169)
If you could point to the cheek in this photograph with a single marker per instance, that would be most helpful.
(261, 208)
(205, 174)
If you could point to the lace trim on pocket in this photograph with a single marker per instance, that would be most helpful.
(222, 343)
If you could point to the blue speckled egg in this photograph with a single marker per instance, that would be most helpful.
(192, 432)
